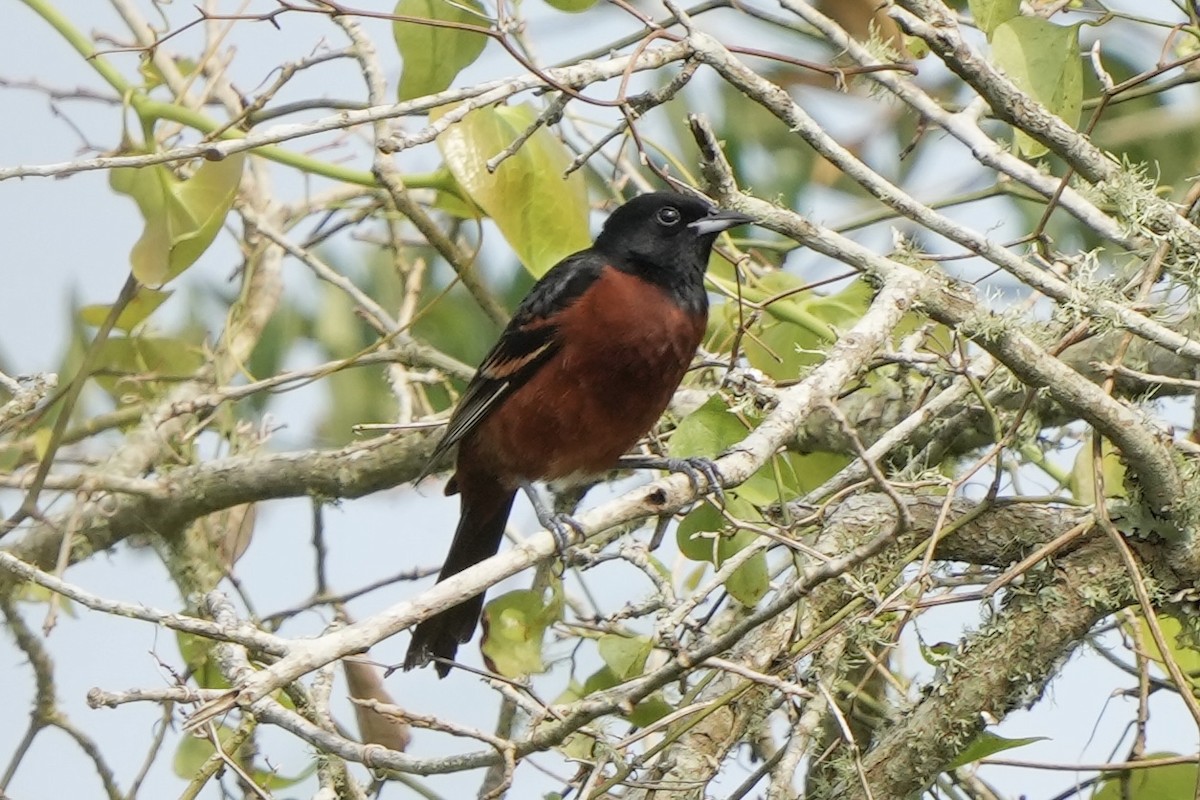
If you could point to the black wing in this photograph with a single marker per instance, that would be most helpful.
(528, 342)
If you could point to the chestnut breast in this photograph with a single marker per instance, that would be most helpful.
(626, 345)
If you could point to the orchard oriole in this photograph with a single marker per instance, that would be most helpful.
(585, 368)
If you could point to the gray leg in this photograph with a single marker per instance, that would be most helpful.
(564, 527)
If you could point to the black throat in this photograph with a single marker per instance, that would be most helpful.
(684, 282)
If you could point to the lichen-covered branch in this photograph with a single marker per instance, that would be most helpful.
(934, 23)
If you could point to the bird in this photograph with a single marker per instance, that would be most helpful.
(584, 369)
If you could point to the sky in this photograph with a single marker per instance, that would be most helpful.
(70, 238)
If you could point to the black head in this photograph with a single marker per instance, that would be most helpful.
(665, 238)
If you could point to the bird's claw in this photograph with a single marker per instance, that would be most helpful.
(563, 527)
(693, 467)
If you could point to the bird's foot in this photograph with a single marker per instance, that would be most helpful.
(694, 468)
(563, 527)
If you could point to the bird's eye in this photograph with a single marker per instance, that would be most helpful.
(668, 215)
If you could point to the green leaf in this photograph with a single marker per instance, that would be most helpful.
(456, 206)
(355, 395)
(281, 333)
(143, 304)
(988, 744)
(697, 534)
(761, 489)
(937, 655)
(703, 535)
(650, 710)
(598, 681)
(274, 780)
(797, 329)
(153, 75)
(542, 215)
(434, 55)
(1042, 59)
(1168, 782)
(797, 309)
(916, 47)
(514, 627)
(625, 659)
(989, 14)
(748, 583)
(138, 365)
(810, 470)
(193, 751)
(579, 746)
(1082, 482)
(182, 217)
(625, 656)
(571, 6)
(841, 309)
(707, 431)
(197, 654)
(41, 442)
(30, 592)
(706, 535)
(1178, 643)
(693, 545)
(788, 475)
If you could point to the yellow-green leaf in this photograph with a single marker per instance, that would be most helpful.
(625, 656)
(143, 304)
(542, 215)
(706, 534)
(41, 442)
(987, 744)
(193, 751)
(693, 534)
(138, 365)
(698, 534)
(624, 659)
(197, 654)
(274, 780)
(355, 395)
(1042, 59)
(1168, 782)
(749, 582)
(1082, 480)
(434, 55)
(30, 592)
(571, 6)
(989, 14)
(707, 431)
(182, 217)
(797, 329)
(1186, 656)
(916, 47)
(148, 68)
(514, 626)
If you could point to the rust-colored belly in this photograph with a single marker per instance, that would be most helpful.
(625, 347)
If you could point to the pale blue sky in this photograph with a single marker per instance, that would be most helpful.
(73, 236)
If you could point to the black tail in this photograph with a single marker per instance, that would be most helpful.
(480, 527)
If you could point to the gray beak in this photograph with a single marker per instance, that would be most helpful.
(719, 221)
